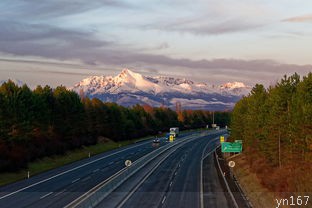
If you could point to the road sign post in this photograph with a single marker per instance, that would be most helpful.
(128, 163)
(232, 164)
(221, 139)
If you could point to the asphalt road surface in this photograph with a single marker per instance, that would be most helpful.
(176, 182)
(58, 187)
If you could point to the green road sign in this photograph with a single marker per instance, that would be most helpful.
(239, 141)
(231, 147)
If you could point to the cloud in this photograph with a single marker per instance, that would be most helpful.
(303, 18)
(40, 62)
(204, 26)
(21, 39)
(44, 41)
(163, 45)
(34, 9)
(56, 36)
(12, 31)
(242, 65)
(215, 70)
(207, 17)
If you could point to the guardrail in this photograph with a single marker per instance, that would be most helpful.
(242, 192)
(102, 190)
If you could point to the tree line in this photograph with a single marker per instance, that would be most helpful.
(46, 121)
(275, 125)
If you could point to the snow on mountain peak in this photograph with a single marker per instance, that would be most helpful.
(129, 81)
(134, 81)
(129, 76)
(127, 73)
(233, 85)
(129, 88)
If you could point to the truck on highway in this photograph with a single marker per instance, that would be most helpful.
(174, 131)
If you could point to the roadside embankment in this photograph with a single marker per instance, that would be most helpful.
(255, 193)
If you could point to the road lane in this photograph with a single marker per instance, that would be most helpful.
(185, 191)
(214, 194)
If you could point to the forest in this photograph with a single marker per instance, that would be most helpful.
(46, 121)
(275, 125)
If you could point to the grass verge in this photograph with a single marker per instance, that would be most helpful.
(48, 163)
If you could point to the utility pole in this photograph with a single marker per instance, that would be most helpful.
(213, 117)
(279, 148)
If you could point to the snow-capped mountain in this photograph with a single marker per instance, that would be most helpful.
(130, 88)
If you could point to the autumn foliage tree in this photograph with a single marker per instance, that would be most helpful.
(276, 124)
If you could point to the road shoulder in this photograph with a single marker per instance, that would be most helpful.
(256, 194)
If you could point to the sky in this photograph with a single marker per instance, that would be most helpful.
(60, 42)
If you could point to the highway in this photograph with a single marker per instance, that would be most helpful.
(174, 182)
(58, 187)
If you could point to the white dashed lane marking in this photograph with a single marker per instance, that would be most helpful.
(46, 195)
(164, 199)
(74, 181)
(96, 170)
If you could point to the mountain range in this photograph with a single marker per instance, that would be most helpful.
(129, 88)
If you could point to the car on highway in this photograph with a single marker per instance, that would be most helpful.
(156, 140)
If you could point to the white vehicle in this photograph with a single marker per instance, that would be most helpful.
(174, 131)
